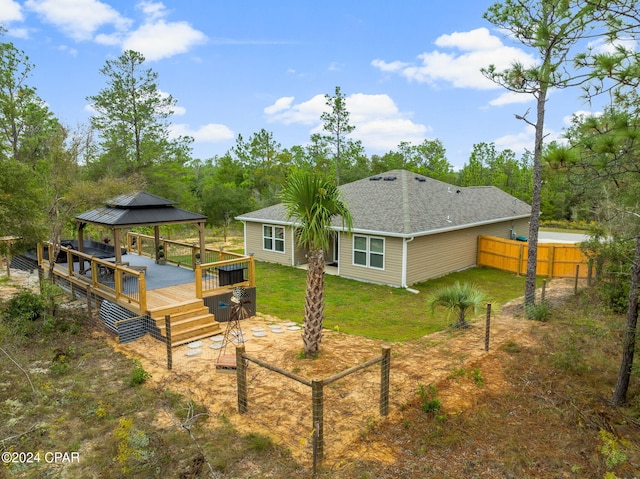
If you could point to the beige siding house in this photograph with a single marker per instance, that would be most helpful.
(407, 228)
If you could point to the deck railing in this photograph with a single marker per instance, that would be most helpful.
(113, 281)
(126, 286)
(180, 253)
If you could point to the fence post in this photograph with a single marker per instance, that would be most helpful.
(575, 286)
(544, 288)
(89, 311)
(385, 368)
(487, 328)
(589, 271)
(241, 379)
(167, 323)
(317, 400)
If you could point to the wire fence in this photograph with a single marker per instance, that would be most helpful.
(335, 407)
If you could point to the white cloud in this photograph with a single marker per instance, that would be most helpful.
(511, 97)
(581, 115)
(10, 11)
(517, 142)
(209, 133)
(152, 10)
(306, 113)
(379, 125)
(156, 38)
(163, 39)
(281, 104)
(525, 140)
(475, 49)
(79, 19)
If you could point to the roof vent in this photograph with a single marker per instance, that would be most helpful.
(375, 178)
(389, 178)
(421, 179)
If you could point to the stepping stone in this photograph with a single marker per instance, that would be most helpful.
(289, 323)
(260, 334)
(274, 326)
(216, 346)
(217, 338)
(277, 330)
(193, 352)
(294, 328)
(195, 345)
(257, 330)
(239, 340)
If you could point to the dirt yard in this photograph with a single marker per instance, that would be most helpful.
(281, 407)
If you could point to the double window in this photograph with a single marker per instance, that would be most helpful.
(368, 251)
(273, 238)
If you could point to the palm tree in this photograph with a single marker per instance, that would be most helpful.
(459, 298)
(312, 202)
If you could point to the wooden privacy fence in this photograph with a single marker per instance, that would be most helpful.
(317, 390)
(555, 260)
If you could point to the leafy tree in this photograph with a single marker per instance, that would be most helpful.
(604, 157)
(460, 299)
(490, 167)
(131, 117)
(554, 30)
(336, 124)
(313, 201)
(25, 120)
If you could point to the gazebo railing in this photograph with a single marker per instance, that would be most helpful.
(180, 253)
(114, 281)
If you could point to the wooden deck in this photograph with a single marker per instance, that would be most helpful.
(162, 297)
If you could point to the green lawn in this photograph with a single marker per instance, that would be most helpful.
(374, 311)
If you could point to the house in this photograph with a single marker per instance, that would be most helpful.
(407, 228)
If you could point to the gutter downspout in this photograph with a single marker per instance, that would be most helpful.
(405, 241)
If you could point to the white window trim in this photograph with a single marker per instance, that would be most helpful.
(368, 252)
(274, 239)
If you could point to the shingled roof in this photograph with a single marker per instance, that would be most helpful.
(139, 209)
(404, 204)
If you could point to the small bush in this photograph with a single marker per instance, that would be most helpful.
(139, 375)
(25, 306)
(538, 312)
(429, 397)
(259, 442)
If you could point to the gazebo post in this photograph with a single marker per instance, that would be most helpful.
(116, 245)
(202, 243)
(156, 237)
(81, 226)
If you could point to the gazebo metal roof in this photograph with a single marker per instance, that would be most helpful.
(138, 209)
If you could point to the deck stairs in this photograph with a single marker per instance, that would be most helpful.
(190, 321)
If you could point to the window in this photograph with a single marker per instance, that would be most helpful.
(273, 238)
(368, 251)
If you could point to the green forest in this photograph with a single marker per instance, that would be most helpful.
(50, 171)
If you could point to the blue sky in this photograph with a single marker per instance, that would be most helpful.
(409, 69)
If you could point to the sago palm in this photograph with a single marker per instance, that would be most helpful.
(459, 299)
(312, 202)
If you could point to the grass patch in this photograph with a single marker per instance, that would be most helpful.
(371, 310)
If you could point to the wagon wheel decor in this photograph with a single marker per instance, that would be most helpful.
(233, 333)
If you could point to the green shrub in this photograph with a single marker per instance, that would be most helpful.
(139, 375)
(25, 306)
(539, 311)
(430, 403)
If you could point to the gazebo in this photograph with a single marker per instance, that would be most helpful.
(137, 209)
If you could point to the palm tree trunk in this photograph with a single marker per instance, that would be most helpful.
(314, 304)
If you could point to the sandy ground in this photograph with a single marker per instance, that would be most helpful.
(281, 407)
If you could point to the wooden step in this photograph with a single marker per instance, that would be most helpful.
(176, 308)
(185, 323)
(193, 334)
